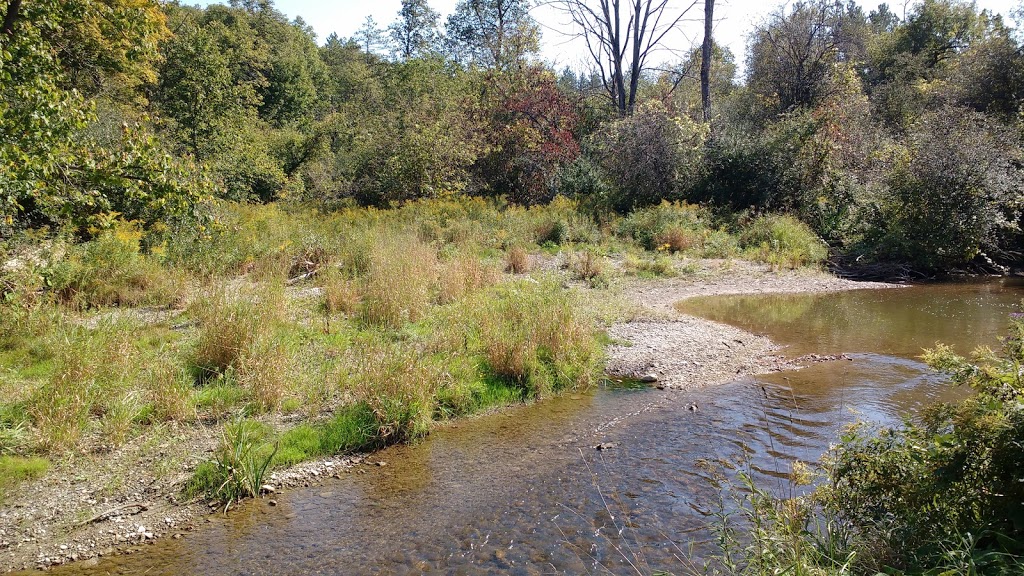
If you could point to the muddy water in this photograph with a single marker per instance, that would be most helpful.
(526, 492)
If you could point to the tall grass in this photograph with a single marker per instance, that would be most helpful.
(397, 285)
(534, 335)
(92, 377)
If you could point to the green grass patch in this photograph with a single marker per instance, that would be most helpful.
(14, 470)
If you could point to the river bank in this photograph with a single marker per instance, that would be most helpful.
(109, 503)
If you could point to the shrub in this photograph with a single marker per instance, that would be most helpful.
(783, 240)
(646, 154)
(952, 193)
(667, 223)
(945, 490)
(110, 271)
(517, 260)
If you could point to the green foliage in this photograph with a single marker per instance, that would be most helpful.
(492, 33)
(953, 192)
(110, 271)
(646, 155)
(239, 466)
(942, 491)
(782, 240)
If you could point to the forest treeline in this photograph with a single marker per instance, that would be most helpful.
(896, 137)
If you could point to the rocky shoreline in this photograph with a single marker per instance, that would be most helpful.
(93, 506)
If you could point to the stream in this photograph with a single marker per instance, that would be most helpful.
(525, 491)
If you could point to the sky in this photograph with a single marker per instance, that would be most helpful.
(733, 21)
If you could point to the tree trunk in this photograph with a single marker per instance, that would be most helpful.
(10, 17)
(705, 62)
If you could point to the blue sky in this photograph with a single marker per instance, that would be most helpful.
(734, 20)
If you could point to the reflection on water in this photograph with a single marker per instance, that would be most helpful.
(525, 492)
(897, 322)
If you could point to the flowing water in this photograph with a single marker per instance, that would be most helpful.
(526, 492)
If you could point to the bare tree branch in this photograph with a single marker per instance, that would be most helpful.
(620, 37)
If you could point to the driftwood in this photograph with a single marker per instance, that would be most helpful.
(141, 508)
(301, 277)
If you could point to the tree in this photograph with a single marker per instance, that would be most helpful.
(52, 172)
(705, 61)
(621, 39)
(370, 36)
(493, 33)
(794, 57)
(414, 33)
(528, 134)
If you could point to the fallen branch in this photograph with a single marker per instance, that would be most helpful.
(300, 278)
(101, 515)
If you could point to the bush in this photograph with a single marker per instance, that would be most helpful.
(952, 193)
(673, 225)
(110, 271)
(943, 491)
(647, 154)
(783, 240)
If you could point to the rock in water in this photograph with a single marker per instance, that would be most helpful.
(649, 378)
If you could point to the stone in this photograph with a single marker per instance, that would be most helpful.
(649, 378)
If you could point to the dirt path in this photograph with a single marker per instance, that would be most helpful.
(112, 503)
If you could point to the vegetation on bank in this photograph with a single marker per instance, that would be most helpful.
(940, 494)
(369, 325)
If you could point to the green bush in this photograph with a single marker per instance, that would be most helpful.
(110, 271)
(943, 491)
(782, 240)
(655, 226)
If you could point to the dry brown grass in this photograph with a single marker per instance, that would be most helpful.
(461, 276)
(517, 260)
(339, 293)
(230, 323)
(677, 239)
(170, 391)
(397, 286)
(398, 383)
(263, 371)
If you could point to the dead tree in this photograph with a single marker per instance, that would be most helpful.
(705, 61)
(620, 37)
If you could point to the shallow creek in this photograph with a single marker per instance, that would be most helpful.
(526, 492)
